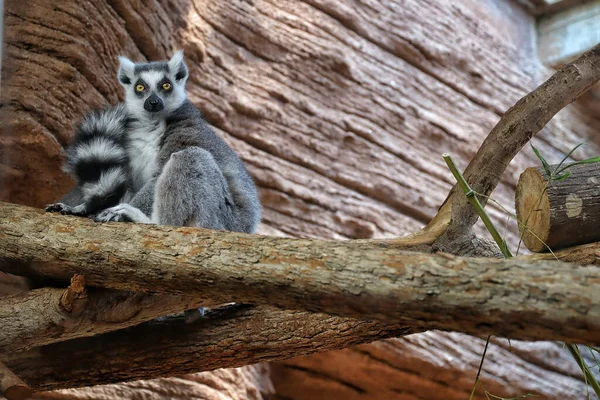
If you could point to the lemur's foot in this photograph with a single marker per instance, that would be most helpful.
(67, 210)
(55, 207)
(122, 213)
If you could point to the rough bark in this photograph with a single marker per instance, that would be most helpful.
(516, 128)
(39, 317)
(558, 213)
(228, 337)
(361, 279)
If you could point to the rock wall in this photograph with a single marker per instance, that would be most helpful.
(341, 110)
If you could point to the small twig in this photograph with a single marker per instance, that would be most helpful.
(589, 377)
(74, 298)
(11, 386)
(474, 200)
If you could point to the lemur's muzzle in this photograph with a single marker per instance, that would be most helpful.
(154, 103)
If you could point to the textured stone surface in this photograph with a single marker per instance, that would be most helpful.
(247, 383)
(432, 365)
(341, 110)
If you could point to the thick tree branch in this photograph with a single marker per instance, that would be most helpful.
(361, 279)
(39, 317)
(516, 127)
(227, 337)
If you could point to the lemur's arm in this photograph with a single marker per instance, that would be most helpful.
(98, 161)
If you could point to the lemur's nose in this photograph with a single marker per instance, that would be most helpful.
(153, 104)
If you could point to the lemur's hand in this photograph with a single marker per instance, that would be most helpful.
(67, 210)
(122, 213)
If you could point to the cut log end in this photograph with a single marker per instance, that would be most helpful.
(533, 209)
(11, 386)
(560, 213)
(18, 392)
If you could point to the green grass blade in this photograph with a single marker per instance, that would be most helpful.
(586, 161)
(543, 160)
(567, 156)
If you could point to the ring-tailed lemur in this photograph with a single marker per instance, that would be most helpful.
(176, 169)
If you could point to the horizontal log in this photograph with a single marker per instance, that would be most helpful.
(39, 317)
(585, 254)
(227, 337)
(517, 298)
(557, 214)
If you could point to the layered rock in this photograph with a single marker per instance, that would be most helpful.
(341, 110)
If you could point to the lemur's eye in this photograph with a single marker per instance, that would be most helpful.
(166, 86)
(139, 87)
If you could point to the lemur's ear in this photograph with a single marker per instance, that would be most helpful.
(178, 67)
(126, 68)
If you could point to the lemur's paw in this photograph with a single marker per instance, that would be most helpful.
(123, 213)
(118, 213)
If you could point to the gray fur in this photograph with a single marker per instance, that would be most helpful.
(182, 172)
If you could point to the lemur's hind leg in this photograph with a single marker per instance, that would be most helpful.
(191, 191)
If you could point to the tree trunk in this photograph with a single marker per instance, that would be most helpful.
(361, 279)
(559, 213)
(586, 254)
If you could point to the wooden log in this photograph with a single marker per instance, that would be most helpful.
(559, 213)
(11, 386)
(43, 316)
(226, 337)
(363, 279)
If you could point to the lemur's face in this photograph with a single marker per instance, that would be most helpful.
(153, 89)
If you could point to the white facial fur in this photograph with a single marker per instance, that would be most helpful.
(152, 75)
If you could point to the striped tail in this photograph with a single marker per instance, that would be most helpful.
(97, 159)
